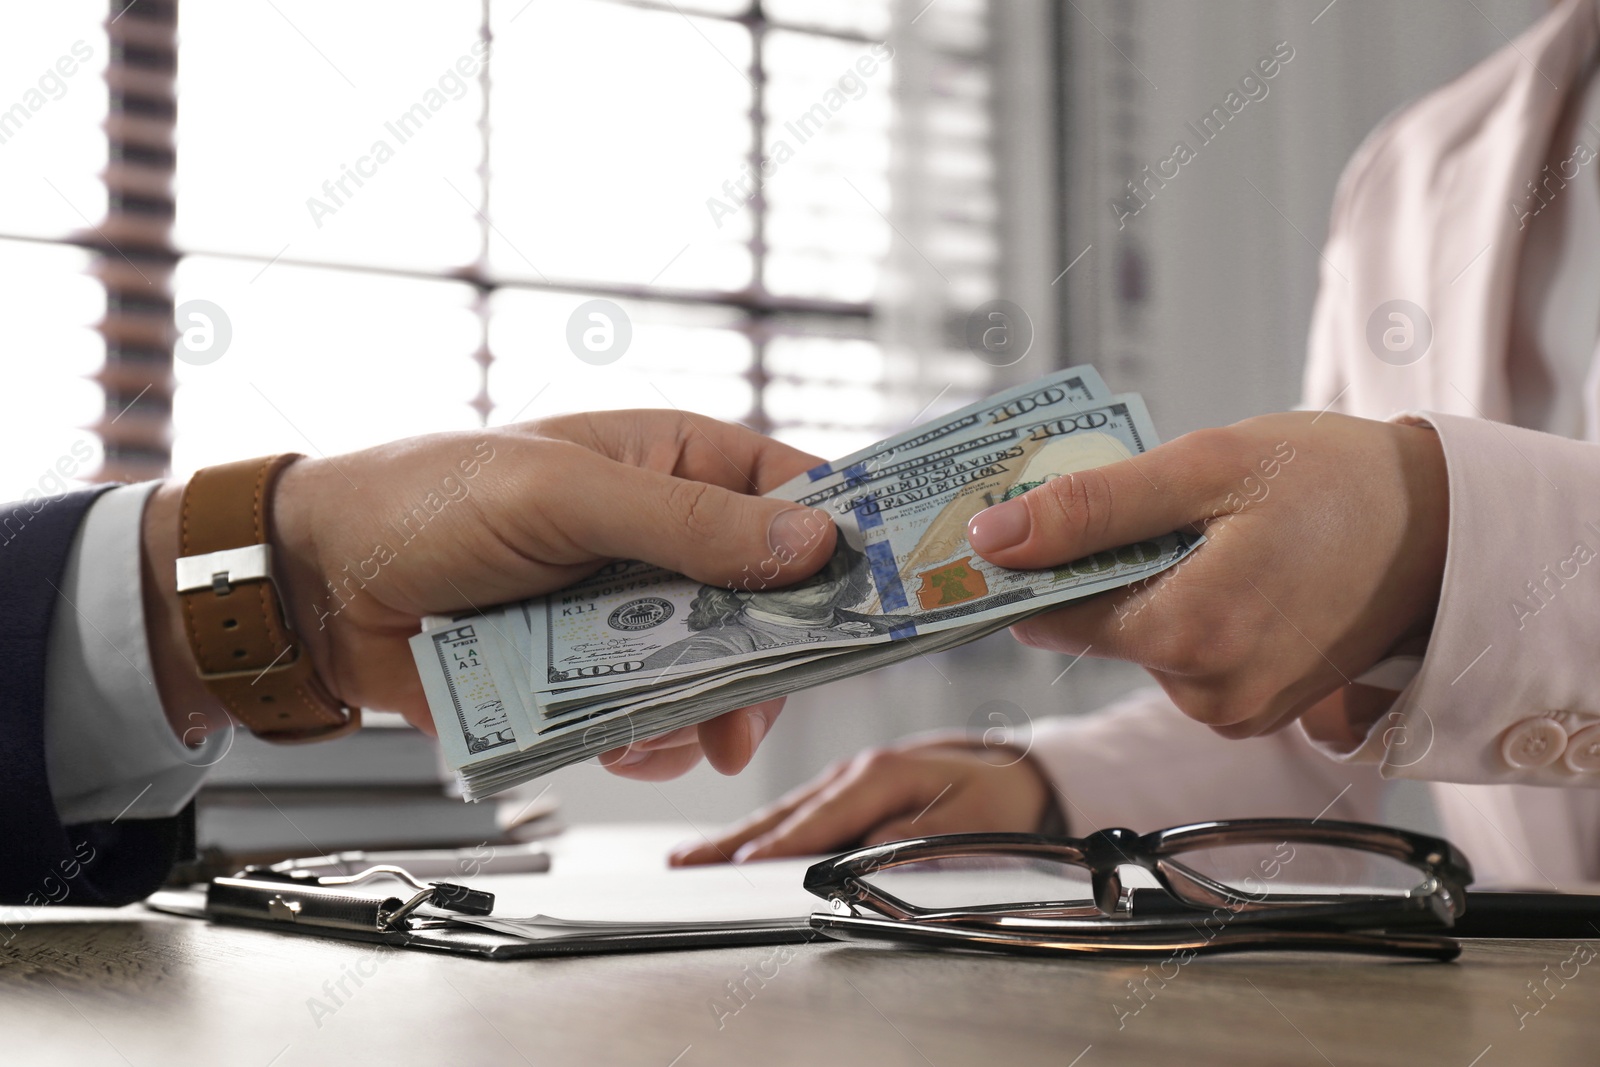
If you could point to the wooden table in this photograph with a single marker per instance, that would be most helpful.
(133, 987)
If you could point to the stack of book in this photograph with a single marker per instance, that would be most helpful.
(381, 787)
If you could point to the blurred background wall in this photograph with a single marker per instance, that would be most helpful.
(1202, 299)
(193, 159)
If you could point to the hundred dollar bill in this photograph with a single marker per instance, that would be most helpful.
(1037, 399)
(488, 708)
(468, 708)
(636, 651)
(584, 736)
(502, 646)
(506, 653)
(902, 566)
(1050, 396)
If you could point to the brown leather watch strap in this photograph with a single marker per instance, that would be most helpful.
(248, 656)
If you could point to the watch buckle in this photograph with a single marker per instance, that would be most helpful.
(221, 571)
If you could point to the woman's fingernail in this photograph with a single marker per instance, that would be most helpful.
(753, 851)
(795, 532)
(632, 758)
(1000, 527)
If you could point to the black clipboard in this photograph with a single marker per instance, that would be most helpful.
(436, 918)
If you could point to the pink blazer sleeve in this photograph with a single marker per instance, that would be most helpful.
(1143, 764)
(1509, 690)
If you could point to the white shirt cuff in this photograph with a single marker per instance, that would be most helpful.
(108, 747)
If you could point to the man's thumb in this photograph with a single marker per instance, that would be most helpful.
(711, 534)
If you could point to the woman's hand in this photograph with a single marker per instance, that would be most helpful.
(655, 759)
(940, 784)
(1326, 539)
(368, 543)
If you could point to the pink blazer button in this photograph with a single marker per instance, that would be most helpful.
(1533, 743)
(1583, 751)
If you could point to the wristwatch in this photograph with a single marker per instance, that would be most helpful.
(247, 653)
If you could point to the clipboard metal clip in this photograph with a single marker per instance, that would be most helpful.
(300, 898)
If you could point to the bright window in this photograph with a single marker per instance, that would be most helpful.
(392, 214)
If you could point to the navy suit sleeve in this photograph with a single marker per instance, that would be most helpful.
(108, 863)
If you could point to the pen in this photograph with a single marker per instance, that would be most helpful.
(1488, 914)
(431, 862)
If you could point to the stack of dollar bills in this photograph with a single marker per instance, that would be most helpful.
(635, 651)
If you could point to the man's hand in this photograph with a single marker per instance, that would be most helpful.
(368, 543)
(940, 784)
(1326, 549)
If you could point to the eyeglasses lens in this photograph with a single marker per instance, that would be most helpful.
(1292, 872)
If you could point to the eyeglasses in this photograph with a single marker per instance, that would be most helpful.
(1223, 886)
